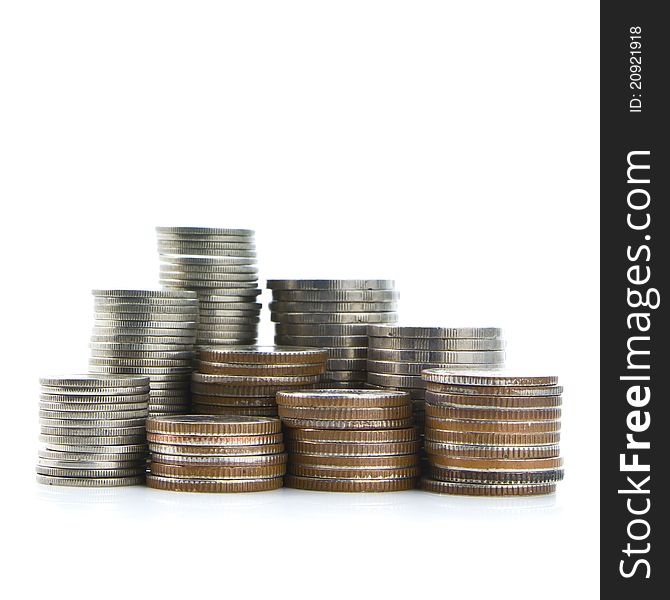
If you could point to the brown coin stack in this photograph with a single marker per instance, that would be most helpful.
(205, 453)
(349, 440)
(243, 380)
(492, 433)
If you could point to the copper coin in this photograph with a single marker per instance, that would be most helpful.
(496, 477)
(348, 413)
(221, 461)
(250, 381)
(211, 451)
(506, 452)
(251, 411)
(349, 485)
(492, 426)
(353, 449)
(494, 401)
(358, 473)
(217, 472)
(336, 398)
(501, 464)
(446, 411)
(258, 370)
(481, 489)
(486, 390)
(214, 440)
(234, 400)
(263, 355)
(208, 485)
(492, 439)
(409, 434)
(213, 425)
(221, 389)
(355, 462)
(498, 378)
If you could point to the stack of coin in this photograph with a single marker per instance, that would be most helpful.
(243, 380)
(144, 332)
(205, 453)
(92, 430)
(333, 314)
(397, 355)
(220, 266)
(349, 440)
(492, 433)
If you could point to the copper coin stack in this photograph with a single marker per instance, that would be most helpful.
(220, 266)
(215, 453)
(243, 380)
(492, 433)
(349, 440)
(150, 333)
(92, 430)
(332, 314)
(398, 354)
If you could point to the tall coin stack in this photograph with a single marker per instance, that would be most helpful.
(220, 266)
(243, 380)
(151, 333)
(349, 440)
(204, 453)
(92, 430)
(397, 355)
(492, 434)
(333, 314)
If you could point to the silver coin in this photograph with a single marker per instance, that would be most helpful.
(140, 362)
(150, 371)
(348, 353)
(328, 330)
(241, 322)
(88, 381)
(144, 294)
(190, 250)
(92, 416)
(176, 264)
(245, 316)
(415, 394)
(209, 237)
(208, 340)
(145, 355)
(330, 284)
(149, 303)
(91, 481)
(169, 393)
(346, 364)
(101, 423)
(88, 473)
(208, 261)
(83, 461)
(166, 376)
(101, 450)
(162, 386)
(89, 391)
(335, 295)
(253, 381)
(180, 336)
(457, 344)
(203, 242)
(400, 381)
(245, 304)
(191, 317)
(226, 297)
(92, 400)
(333, 318)
(209, 276)
(144, 309)
(73, 430)
(498, 379)
(137, 348)
(333, 307)
(158, 326)
(434, 332)
(85, 440)
(175, 343)
(321, 341)
(203, 231)
(359, 376)
(413, 368)
(96, 408)
(437, 356)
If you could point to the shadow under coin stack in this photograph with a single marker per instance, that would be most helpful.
(492, 434)
(244, 380)
(151, 333)
(349, 440)
(333, 314)
(397, 355)
(204, 453)
(220, 266)
(93, 430)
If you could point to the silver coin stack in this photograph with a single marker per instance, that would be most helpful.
(150, 333)
(93, 430)
(398, 354)
(333, 314)
(220, 266)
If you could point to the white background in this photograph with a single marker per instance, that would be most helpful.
(452, 146)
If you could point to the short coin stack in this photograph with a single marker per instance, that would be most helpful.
(243, 380)
(349, 440)
(204, 453)
(398, 354)
(333, 314)
(220, 266)
(492, 434)
(92, 430)
(151, 333)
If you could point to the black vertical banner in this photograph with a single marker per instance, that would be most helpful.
(635, 260)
